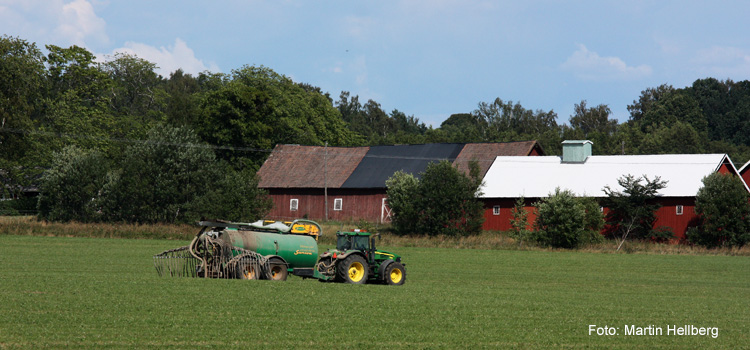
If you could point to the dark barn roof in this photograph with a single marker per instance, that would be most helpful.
(295, 166)
(382, 161)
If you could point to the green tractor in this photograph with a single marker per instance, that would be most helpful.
(355, 260)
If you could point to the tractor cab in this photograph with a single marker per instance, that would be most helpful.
(361, 241)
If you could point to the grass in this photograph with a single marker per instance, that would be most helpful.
(71, 292)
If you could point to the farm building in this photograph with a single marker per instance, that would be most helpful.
(348, 183)
(586, 175)
(745, 172)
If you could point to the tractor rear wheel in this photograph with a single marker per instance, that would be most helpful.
(395, 274)
(278, 270)
(353, 269)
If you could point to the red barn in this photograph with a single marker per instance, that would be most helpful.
(745, 172)
(585, 175)
(348, 183)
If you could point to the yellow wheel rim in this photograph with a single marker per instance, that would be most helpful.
(250, 273)
(356, 271)
(275, 272)
(396, 275)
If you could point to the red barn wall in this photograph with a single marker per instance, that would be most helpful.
(357, 204)
(501, 222)
(665, 216)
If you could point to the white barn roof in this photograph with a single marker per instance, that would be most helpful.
(535, 177)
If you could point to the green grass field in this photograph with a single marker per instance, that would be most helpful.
(59, 292)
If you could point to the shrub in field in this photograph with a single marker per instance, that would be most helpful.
(724, 213)
(564, 221)
(632, 212)
(401, 191)
(70, 188)
(443, 202)
(593, 221)
(519, 222)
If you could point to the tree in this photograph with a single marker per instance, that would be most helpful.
(519, 222)
(136, 96)
(632, 212)
(78, 101)
(443, 202)
(506, 120)
(238, 116)
(678, 138)
(70, 189)
(402, 191)
(160, 178)
(591, 120)
(181, 108)
(22, 84)
(644, 103)
(722, 207)
(234, 197)
(560, 220)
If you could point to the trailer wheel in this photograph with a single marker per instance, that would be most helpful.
(250, 272)
(278, 270)
(395, 274)
(353, 269)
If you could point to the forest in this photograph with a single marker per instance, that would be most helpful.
(54, 99)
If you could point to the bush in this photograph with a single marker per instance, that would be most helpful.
(20, 206)
(443, 202)
(723, 210)
(70, 188)
(401, 192)
(519, 221)
(565, 221)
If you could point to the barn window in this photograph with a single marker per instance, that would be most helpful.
(678, 210)
(293, 204)
(496, 210)
(338, 203)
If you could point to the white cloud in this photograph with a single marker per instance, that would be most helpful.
(78, 23)
(170, 58)
(589, 65)
(724, 62)
(57, 22)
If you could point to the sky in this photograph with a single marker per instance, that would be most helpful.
(426, 58)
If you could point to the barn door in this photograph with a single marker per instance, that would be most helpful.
(385, 212)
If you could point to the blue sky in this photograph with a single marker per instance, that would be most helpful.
(425, 58)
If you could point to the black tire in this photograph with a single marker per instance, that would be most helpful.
(250, 271)
(395, 274)
(277, 270)
(353, 270)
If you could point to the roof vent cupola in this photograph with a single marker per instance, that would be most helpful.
(576, 151)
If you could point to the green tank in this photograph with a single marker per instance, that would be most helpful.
(298, 251)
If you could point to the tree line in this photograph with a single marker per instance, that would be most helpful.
(60, 102)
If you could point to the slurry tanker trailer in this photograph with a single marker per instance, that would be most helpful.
(272, 250)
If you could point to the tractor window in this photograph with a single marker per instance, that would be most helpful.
(343, 243)
(361, 242)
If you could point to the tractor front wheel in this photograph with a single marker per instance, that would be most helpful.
(278, 270)
(353, 269)
(395, 274)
